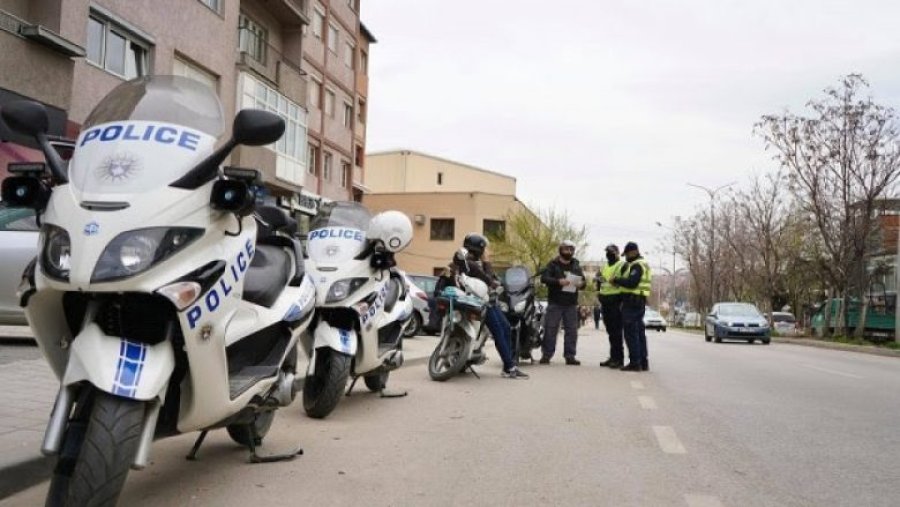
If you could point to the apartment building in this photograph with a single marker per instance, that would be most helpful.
(336, 59)
(68, 54)
(444, 199)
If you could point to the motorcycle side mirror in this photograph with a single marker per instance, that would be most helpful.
(254, 127)
(31, 119)
(233, 196)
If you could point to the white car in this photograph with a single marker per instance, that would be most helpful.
(18, 246)
(653, 320)
(420, 305)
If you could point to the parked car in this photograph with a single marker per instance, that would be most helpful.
(736, 321)
(653, 320)
(18, 246)
(421, 288)
(784, 323)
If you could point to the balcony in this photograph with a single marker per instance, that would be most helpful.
(264, 60)
(291, 13)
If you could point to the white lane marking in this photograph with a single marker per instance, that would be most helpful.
(637, 384)
(647, 402)
(833, 372)
(668, 440)
(702, 501)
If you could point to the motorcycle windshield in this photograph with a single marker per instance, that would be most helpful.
(338, 233)
(516, 278)
(146, 133)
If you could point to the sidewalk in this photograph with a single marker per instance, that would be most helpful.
(27, 391)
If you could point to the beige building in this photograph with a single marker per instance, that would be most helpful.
(444, 199)
(336, 59)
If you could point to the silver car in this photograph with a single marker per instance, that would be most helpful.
(418, 289)
(18, 246)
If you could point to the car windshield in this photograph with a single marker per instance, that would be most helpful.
(426, 283)
(17, 219)
(652, 313)
(783, 317)
(144, 134)
(738, 310)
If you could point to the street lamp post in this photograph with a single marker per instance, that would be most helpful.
(671, 289)
(712, 234)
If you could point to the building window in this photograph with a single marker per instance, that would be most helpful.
(315, 93)
(187, 69)
(326, 167)
(115, 49)
(252, 38)
(494, 228)
(361, 112)
(363, 62)
(348, 115)
(212, 4)
(442, 229)
(329, 103)
(345, 174)
(311, 158)
(348, 54)
(318, 21)
(291, 149)
(332, 38)
(360, 156)
(440, 179)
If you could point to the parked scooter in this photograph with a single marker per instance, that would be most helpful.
(156, 299)
(463, 329)
(362, 304)
(517, 303)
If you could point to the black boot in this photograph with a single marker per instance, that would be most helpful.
(631, 367)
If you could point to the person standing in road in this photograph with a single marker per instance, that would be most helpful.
(472, 261)
(611, 300)
(634, 282)
(563, 277)
(597, 314)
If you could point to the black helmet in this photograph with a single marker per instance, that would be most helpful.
(475, 243)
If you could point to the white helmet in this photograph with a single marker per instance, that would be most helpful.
(392, 228)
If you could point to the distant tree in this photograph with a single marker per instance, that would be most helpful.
(531, 238)
(841, 160)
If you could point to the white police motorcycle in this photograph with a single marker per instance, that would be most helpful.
(463, 330)
(159, 303)
(362, 304)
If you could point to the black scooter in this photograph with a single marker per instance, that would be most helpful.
(525, 318)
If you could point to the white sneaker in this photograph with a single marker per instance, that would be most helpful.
(515, 373)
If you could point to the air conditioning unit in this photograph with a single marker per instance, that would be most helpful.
(420, 219)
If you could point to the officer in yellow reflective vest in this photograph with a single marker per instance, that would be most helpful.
(611, 306)
(635, 285)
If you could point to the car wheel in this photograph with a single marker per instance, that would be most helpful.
(766, 341)
(706, 335)
(751, 341)
(716, 337)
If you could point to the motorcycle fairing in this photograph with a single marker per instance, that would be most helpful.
(341, 340)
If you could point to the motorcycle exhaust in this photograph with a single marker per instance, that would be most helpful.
(393, 361)
(142, 458)
(56, 426)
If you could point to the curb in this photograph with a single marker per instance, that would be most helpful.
(845, 347)
(31, 472)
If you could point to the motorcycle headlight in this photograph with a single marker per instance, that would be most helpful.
(56, 249)
(520, 306)
(136, 251)
(340, 289)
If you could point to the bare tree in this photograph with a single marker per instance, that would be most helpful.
(532, 238)
(840, 160)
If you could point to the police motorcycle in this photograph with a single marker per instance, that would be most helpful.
(159, 302)
(362, 303)
(518, 304)
(463, 331)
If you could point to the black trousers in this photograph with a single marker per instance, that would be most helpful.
(633, 322)
(611, 307)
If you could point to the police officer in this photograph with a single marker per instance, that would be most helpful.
(562, 302)
(634, 282)
(611, 306)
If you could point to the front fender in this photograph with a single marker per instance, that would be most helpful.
(341, 340)
(120, 367)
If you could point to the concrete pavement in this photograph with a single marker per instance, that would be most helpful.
(26, 399)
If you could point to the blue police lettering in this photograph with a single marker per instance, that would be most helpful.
(193, 316)
(241, 262)
(354, 234)
(213, 299)
(181, 137)
(226, 289)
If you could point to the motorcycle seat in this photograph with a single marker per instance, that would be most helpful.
(267, 275)
(271, 219)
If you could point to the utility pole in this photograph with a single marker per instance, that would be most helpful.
(672, 284)
(712, 235)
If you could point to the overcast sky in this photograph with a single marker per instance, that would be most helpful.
(608, 108)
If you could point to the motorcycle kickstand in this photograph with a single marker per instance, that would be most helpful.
(256, 458)
(474, 372)
(384, 393)
(349, 389)
(192, 456)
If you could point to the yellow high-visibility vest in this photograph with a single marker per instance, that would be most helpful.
(609, 272)
(643, 287)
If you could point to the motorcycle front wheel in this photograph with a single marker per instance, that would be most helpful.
(323, 389)
(243, 434)
(99, 446)
(448, 358)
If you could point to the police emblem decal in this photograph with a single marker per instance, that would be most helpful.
(91, 228)
(118, 167)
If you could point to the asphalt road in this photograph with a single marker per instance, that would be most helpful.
(711, 424)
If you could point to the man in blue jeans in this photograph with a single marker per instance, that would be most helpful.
(472, 264)
(562, 299)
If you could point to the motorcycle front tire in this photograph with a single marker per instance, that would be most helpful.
(98, 449)
(323, 390)
(459, 358)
